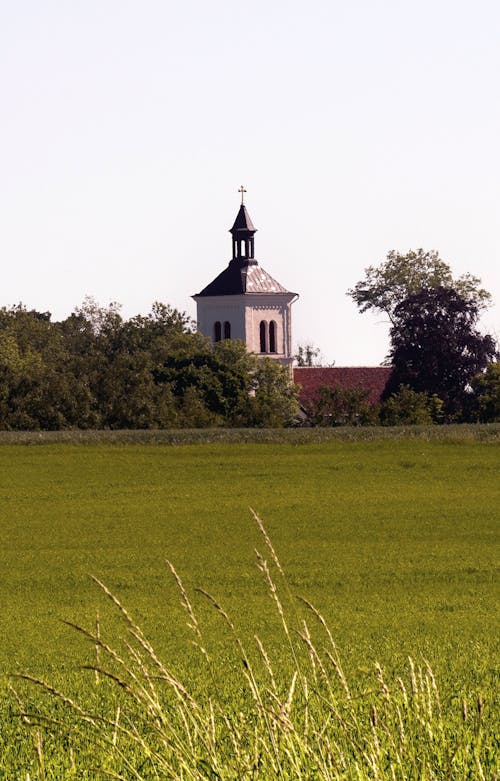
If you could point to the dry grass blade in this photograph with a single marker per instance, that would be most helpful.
(249, 675)
(267, 662)
(165, 673)
(103, 646)
(117, 603)
(335, 658)
(267, 540)
(39, 755)
(217, 606)
(57, 694)
(193, 622)
(20, 704)
(97, 647)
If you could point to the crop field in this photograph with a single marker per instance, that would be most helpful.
(393, 540)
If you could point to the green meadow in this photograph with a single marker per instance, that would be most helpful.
(394, 541)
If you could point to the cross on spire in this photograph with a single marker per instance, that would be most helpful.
(242, 191)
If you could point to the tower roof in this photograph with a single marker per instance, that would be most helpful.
(239, 278)
(243, 274)
(243, 223)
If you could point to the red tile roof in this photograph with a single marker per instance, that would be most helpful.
(311, 379)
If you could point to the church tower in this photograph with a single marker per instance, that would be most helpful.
(245, 302)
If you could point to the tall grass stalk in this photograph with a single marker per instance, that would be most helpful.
(294, 716)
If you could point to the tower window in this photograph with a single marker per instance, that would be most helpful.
(217, 331)
(227, 330)
(272, 337)
(263, 336)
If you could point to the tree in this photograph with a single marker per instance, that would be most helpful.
(399, 276)
(436, 347)
(37, 390)
(217, 377)
(307, 355)
(485, 396)
(273, 403)
(117, 361)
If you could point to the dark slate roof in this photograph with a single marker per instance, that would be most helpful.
(239, 278)
(243, 222)
(311, 379)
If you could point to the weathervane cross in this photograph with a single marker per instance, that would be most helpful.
(242, 191)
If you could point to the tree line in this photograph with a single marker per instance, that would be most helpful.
(97, 370)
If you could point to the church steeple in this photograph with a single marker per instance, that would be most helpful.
(245, 302)
(243, 232)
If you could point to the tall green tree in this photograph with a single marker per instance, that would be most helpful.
(401, 275)
(117, 361)
(436, 347)
(38, 388)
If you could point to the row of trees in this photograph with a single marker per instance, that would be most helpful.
(97, 370)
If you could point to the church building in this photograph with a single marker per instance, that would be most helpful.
(245, 302)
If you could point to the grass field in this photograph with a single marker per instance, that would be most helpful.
(395, 541)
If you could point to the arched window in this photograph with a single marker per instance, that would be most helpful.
(227, 330)
(217, 331)
(263, 336)
(272, 337)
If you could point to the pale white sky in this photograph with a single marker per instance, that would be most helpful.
(357, 127)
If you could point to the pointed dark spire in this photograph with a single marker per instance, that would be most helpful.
(243, 232)
(243, 274)
(243, 222)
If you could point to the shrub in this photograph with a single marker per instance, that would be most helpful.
(342, 407)
(406, 407)
(484, 403)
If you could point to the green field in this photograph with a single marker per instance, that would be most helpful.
(395, 541)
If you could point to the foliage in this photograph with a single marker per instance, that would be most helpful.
(96, 370)
(36, 388)
(484, 400)
(406, 407)
(307, 355)
(273, 402)
(436, 347)
(341, 407)
(399, 276)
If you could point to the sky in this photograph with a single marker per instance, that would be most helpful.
(357, 127)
